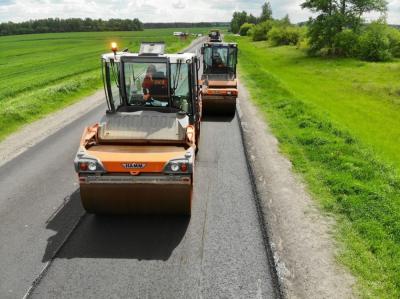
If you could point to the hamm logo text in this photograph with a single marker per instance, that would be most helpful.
(134, 165)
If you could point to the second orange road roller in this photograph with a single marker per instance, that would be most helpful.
(219, 81)
(215, 35)
(139, 159)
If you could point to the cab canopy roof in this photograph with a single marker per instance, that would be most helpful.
(152, 49)
(221, 44)
(149, 50)
(173, 58)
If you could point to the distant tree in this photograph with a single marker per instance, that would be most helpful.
(334, 16)
(346, 43)
(394, 39)
(286, 20)
(374, 43)
(239, 18)
(261, 30)
(244, 29)
(284, 35)
(251, 19)
(266, 12)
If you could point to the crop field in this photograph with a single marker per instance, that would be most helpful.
(338, 120)
(40, 73)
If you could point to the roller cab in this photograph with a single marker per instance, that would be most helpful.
(139, 158)
(219, 82)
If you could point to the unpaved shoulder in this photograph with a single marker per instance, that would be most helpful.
(33, 133)
(300, 236)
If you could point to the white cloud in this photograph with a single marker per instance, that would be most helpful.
(281, 8)
(157, 10)
(179, 5)
(394, 12)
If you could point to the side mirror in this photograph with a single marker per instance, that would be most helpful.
(202, 51)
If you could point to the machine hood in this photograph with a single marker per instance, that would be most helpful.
(145, 126)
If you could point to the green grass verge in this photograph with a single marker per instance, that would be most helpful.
(30, 106)
(330, 141)
(41, 73)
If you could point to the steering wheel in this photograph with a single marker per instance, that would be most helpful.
(137, 100)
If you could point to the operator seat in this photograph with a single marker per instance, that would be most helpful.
(159, 88)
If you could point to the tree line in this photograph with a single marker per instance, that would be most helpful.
(87, 25)
(265, 27)
(69, 25)
(184, 25)
(338, 29)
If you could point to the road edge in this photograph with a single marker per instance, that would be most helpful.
(298, 236)
(265, 231)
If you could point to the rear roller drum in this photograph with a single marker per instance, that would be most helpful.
(136, 199)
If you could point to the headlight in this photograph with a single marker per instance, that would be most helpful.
(92, 166)
(179, 166)
(87, 164)
(175, 167)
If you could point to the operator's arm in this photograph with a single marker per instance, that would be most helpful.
(146, 85)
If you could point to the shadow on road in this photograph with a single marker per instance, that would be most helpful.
(133, 237)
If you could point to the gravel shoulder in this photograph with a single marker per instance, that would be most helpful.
(301, 237)
(33, 133)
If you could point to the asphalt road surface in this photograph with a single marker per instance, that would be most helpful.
(50, 248)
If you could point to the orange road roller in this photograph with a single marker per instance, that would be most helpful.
(219, 81)
(139, 159)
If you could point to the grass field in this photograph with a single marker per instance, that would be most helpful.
(41, 73)
(338, 120)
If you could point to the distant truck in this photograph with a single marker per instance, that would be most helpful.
(219, 82)
(139, 159)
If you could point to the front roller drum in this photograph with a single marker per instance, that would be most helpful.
(219, 106)
(137, 199)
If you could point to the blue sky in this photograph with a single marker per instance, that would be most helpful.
(157, 10)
